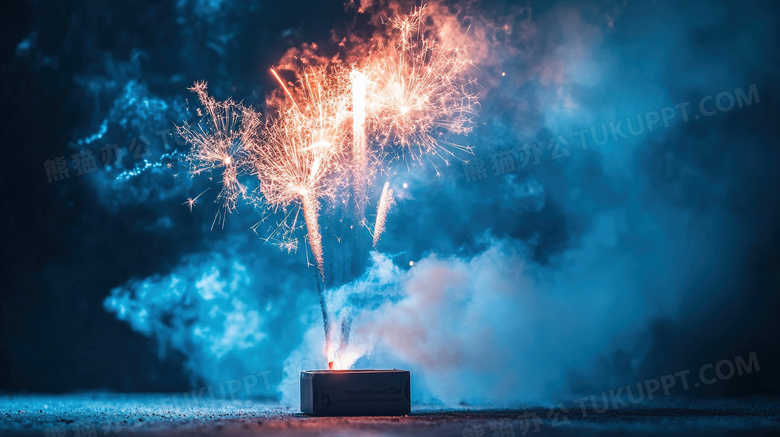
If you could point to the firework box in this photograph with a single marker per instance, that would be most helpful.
(355, 392)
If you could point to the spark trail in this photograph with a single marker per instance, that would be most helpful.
(386, 201)
(192, 201)
(359, 142)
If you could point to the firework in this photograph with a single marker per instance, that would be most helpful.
(422, 91)
(219, 142)
(407, 96)
(298, 158)
(386, 201)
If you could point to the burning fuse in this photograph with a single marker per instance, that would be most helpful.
(355, 392)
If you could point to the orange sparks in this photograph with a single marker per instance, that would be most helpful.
(219, 142)
(423, 91)
(407, 96)
(298, 157)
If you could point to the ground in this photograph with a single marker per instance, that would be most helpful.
(99, 414)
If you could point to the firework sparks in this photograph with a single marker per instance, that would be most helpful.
(298, 158)
(386, 201)
(219, 142)
(422, 91)
(191, 201)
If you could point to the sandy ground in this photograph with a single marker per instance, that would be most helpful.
(101, 414)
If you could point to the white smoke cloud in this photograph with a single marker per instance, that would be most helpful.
(488, 328)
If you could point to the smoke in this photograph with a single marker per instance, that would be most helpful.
(498, 328)
(221, 308)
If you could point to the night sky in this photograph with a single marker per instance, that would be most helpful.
(633, 235)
